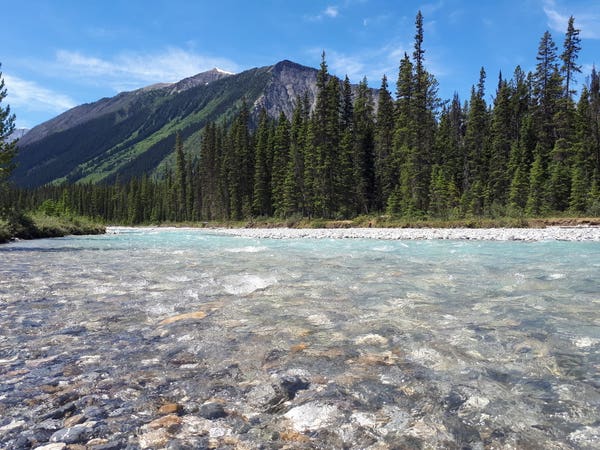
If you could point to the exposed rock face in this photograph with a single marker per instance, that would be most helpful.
(289, 82)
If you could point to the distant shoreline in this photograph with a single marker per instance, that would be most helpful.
(575, 233)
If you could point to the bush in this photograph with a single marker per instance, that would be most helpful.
(5, 233)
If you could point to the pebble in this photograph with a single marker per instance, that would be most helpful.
(188, 316)
(74, 434)
(170, 408)
(56, 446)
(74, 420)
(170, 422)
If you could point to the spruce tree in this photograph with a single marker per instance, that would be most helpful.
(571, 48)
(180, 180)
(476, 150)
(262, 171)
(7, 149)
(364, 149)
(281, 161)
(294, 192)
(384, 135)
(500, 146)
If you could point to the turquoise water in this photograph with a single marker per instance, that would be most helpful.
(501, 339)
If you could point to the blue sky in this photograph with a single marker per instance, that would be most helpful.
(57, 54)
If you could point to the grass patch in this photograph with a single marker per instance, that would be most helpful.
(39, 225)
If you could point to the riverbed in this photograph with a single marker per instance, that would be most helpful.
(186, 338)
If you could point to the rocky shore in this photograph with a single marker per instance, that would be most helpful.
(583, 233)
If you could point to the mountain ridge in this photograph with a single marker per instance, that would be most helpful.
(133, 132)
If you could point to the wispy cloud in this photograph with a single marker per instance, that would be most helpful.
(133, 70)
(375, 62)
(586, 20)
(30, 96)
(331, 12)
(431, 8)
(370, 63)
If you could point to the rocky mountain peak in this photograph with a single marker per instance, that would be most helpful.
(202, 78)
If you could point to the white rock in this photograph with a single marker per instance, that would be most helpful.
(13, 425)
(371, 339)
(312, 416)
(55, 446)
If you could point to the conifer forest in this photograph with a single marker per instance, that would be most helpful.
(531, 147)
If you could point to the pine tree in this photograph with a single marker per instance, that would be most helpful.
(345, 172)
(571, 48)
(579, 190)
(400, 166)
(281, 160)
(424, 109)
(7, 149)
(500, 146)
(294, 192)
(364, 149)
(536, 201)
(209, 173)
(180, 180)
(262, 172)
(476, 150)
(547, 92)
(449, 144)
(384, 135)
(240, 166)
(560, 176)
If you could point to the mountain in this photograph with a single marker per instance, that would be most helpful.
(17, 134)
(134, 132)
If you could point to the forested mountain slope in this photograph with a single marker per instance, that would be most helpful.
(131, 134)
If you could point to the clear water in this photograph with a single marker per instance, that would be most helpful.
(501, 339)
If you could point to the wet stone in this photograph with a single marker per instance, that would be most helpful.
(170, 422)
(73, 435)
(56, 446)
(61, 412)
(170, 408)
(94, 412)
(114, 445)
(74, 420)
(292, 384)
(212, 411)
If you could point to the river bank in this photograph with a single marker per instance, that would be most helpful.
(38, 225)
(553, 233)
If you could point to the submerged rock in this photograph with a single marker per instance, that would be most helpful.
(313, 416)
(212, 411)
(188, 316)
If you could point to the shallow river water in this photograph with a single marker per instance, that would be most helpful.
(192, 339)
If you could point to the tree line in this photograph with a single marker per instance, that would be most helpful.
(533, 150)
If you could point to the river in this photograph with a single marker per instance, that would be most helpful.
(146, 338)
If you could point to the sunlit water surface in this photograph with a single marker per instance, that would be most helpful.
(487, 343)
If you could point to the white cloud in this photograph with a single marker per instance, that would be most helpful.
(28, 95)
(331, 11)
(372, 63)
(133, 70)
(588, 22)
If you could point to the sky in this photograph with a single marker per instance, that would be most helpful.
(57, 54)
